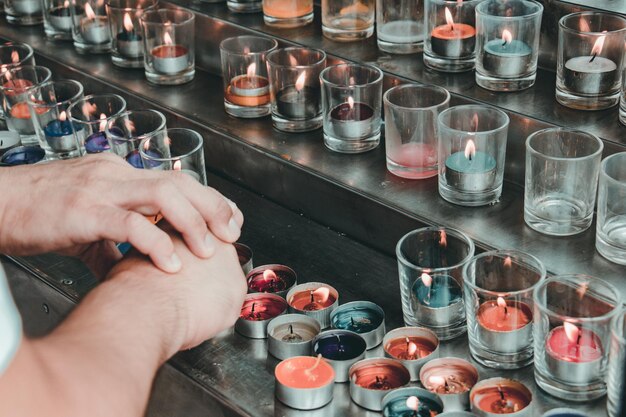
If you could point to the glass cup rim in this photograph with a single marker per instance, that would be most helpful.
(188, 16)
(36, 68)
(75, 97)
(449, 231)
(274, 52)
(90, 97)
(325, 71)
(273, 47)
(562, 278)
(194, 133)
(480, 107)
(564, 27)
(540, 266)
(407, 86)
(153, 4)
(481, 12)
(139, 138)
(29, 49)
(619, 321)
(605, 162)
(455, 2)
(533, 151)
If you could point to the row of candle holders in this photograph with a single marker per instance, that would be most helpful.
(566, 324)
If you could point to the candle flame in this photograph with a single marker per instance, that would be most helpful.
(251, 72)
(571, 331)
(582, 290)
(103, 121)
(507, 37)
(322, 294)
(351, 102)
(167, 39)
(66, 3)
(501, 302)
(443, 239)
(269, 275)
(15, 57)
(470, 149)
(412, 403)
(584, 26)
(63, 116)
(128, 23)
(300, 81)
(427, 280)
(437, 380)
(7, 74)
(146, 145)
(598, 45)
(293, 61)
(449, 19)
(177, 165)
(474, 123)
(508, 262)
(89, 12)
(412, 349)
(246, 50)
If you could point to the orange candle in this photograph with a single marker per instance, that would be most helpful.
(287, 9)
(249, 90)
(453, 40)
(503, 316)
(304, 382)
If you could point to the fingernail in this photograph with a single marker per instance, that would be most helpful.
(232, 204)
(174, 264)
(234, 227)
(209, 244)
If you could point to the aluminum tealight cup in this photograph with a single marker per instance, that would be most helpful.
(286, 274)
(322, 315)
(431, 400)
(303, 326)
(309, 398)
(415, 365)
(388, 374)
(341, 366)
(257, 329)
(457, 401)
(373, 337)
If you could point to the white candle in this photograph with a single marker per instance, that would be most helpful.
(401, 31)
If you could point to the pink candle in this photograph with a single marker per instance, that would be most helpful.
(414, 155)
(573, 344)
(304, 382)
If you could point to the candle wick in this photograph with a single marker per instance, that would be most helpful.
(451, 27)
(501, 393)
(315, 365)
(253, 305)
(352, 321)
(445, 384)
(593, 57)
(580, 334)
(506, 310)
(312, 297)
(290, 329)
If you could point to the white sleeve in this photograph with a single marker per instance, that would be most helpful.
(10, 324)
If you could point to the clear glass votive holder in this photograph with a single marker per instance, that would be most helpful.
(348, 20)
(16, 84)
(180, 150)
(169, 42)
(90, 26)
(287, 13)
(572, 333)
(590, 59)
(295, 88)
(450, 40)
(244, 71)
(57, 19)
(411, 113)
(617, 363)
(245, 6)
(89, 118)
(622, 101)
(562, 167)
(23, 12)
(611, 222)
(15, 55)
(472, 150)
(126, 34)
(507, 44)
(498, 295)
(430, 264)
(351, 106)
(49, 106)
(400, 26)
(126, 131)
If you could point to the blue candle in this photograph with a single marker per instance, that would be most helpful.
(96, 143)
(443, 292)
(129, 42)
(339, 346)
(357, 319)
(134, 158)
(23, 155)
(60, 136)
(470, 170)
(507, 57)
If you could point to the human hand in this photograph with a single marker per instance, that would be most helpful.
(71, 205)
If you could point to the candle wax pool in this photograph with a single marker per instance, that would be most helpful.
(340, 347)
(479, 163)
(358, 112)
(304, 372)
(96, 143)
(501, 400)
(309, 301)
(259, 309)
(398, 408)
(413, 155)
(401, 31)
(513, 48)
(287, 9)
(443, 292)
(586, 349)
(399, 347)
(453, 41)
(272, 283)
(495, 318)
(358, 320)
(134, 158)
(23, 155)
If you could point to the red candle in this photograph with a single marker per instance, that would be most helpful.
(572, 344)
(313, 300)
(414, 155)
(259, 308)
(16, 86)
(500, 396)
(410, 348)
(20, 110)
(453, 40)
(304, 372)
(272, 278)
(503, 316)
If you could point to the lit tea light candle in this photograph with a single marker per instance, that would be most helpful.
(413, 346)
(591, 74)
(169, 58)
(341, 348)
(504, 326)
(411, 402)
(249, 90)
(15, 59)
(401, 31)
(23, 155)
(59, 134)
(20, 119)
(291, 335)
(314, 299)
(94, 29)
(97, 142)
(257, 311)
(352, 119)
(129, 42)
(60, 17)
(372, 379)
(9, 140)
(304, 382)
(437, 300)
(362, 317)
(298, 101)
(453, 40)
(507, 57)
(496, 396)
(26, 7)
(471, 170)
(274, 278)
(178, 166)
(244, 253)
(574, 354)
(452, 379)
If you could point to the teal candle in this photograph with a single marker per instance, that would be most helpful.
(470, 170)
(423, 407)
(507, 57)
(443, 292)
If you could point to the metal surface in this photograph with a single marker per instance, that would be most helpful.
(237, 373)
